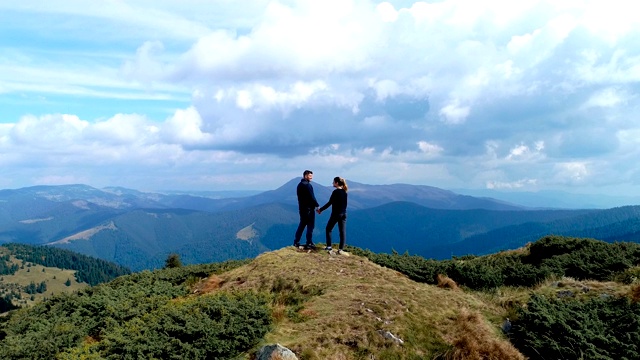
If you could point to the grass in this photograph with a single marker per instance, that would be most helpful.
(335, 307)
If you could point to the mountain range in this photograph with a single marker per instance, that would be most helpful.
(139, 230)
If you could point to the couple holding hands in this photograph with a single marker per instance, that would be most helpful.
(308, 206)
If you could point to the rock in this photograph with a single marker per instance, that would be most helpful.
(565, 294)
(388, 335)
(506, 326)
(275, 351)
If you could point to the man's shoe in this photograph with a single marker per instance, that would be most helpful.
(328, 248)
(296, 245)
(310, 246)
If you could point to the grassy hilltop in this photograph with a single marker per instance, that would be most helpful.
(348, 300)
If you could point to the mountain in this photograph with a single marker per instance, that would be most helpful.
(140, 230)
(361, 196)
(617, 224)
(407, 227)
(143, 238)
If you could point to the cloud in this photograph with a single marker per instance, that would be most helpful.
(608, 97)
(523, 152)
(518, 184)
(446, 93)
(184, 128)
(454, 113)
(572, 172)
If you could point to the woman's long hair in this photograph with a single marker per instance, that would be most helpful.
(341, 182)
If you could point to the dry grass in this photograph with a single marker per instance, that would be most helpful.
(54, 278)
(475, 340)
(210, 284)
(635, 293)
(352, 299)
(583, 289)
(446, 282)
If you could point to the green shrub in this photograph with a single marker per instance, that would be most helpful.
(550, 256)
(629, 276)
(584, 258)
(203, 327)
(600, 328)
(149, 300)
(476, 275)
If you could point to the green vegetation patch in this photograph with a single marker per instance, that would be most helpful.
(142, 315)
(583, 259)
(562, 294)
(599, 328)
(32, 283)
(89, 270)
(204, 327)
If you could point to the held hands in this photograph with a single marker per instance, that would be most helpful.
(318, 211)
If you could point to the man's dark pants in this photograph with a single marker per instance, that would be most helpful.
(308, 220)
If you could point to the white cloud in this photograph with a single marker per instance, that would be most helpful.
(385, 89)
(123, 129)
(244, 100)
(454, 114)
(572, 172)
(429, 148)
(387, 12)
(307, 40)
(145, 66)
(50, 131)
(184, 128)
(446, 93)
(265, 97)
(605, 98)
(518, 184)
(523, 152)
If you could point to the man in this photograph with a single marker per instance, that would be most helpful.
(307, 205)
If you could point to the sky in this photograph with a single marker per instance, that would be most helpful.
(245, 95)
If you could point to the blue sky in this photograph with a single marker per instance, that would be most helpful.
(229, 95)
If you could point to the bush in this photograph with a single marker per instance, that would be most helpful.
(571, 329)
(204, 327)
(550, 256)
(93, 319)
(583, 258)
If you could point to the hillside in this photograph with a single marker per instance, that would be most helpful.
(321, 306)
(566, 298)
(611, 225)
(350, 301)
(29, 274)
(143, 238)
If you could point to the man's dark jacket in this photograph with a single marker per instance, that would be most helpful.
(306, 197)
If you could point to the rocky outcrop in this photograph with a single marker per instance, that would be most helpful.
(275, 352)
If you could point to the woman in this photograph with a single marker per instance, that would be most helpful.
(338, 203)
